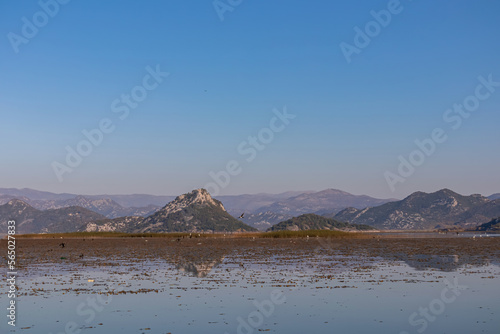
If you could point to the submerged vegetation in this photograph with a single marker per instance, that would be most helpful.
(308, 234)
(275, 234)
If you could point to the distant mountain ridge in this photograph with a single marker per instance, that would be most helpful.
(261, 210)
(325, 201)
(426, 211)
(101, 205)
(196, 211)
(420, 210)
(133, 200)
(253, 203)
(280, 207)
(263, 220)
(31, 220)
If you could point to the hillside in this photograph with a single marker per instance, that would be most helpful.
(479, 214)
(23, 214)
(31, 220)
(314, 222)
(418, 211)
(492, 226)
(63, 220)
(254, 203)
(121, 224)
(441, 209)
(321, 202)
(261, 210)
(193, 212)
(196, 211)
(264, 220)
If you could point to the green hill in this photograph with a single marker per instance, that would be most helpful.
(492, 226)
(314, 222)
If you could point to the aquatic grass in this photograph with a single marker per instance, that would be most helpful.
(274, 234)
(309, 233)
(111, 235)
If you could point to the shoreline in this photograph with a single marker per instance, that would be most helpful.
(381, 234)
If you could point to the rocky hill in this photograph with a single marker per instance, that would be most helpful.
(315, 222)
(423, 211)
(7, 198)
(31, 220)
(121, 224)
(478, 214)
(21, 212)
(104, 206)
(107, 207)
(196, 211)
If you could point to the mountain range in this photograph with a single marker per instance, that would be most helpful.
(31, 220)
(421, 210)
(264, 210)
(196, 211)
(261, 210)
(104, 206)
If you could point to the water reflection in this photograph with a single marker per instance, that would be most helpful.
(199, 259)
(445, 263)
(199, 268)
(206, 286)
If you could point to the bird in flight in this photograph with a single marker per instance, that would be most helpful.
(242, 215)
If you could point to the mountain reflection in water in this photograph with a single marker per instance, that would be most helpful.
(199, 268)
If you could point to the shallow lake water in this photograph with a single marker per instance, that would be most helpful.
(376, 285)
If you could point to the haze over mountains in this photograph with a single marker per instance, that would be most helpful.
(103, 204)
(261, 210)
(43, 211)
(264, 210)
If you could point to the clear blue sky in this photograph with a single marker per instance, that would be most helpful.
(353, 120)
